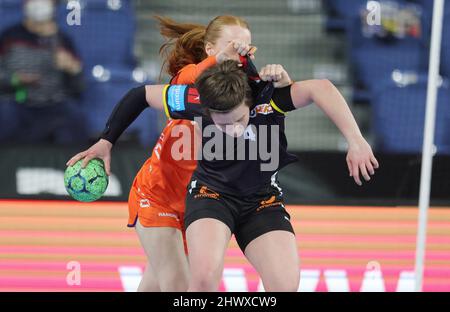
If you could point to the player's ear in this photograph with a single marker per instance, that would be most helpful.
(209, 49)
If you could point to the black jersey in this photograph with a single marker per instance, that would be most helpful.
(237, 165)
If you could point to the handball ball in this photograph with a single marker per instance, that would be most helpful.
(86, 184)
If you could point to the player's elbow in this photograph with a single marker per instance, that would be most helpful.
(322, 85)
(319, 88)
(307, 92)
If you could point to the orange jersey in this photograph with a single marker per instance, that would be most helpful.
(161, 183)
(163, 179)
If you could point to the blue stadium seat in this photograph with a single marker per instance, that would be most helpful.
(340, 10)
(427, 6)
(445, 55)
(374, 60)
(445, 139)
(399, 116)
(106, 34)
(10, 15)
(104, 92)
(10, 12)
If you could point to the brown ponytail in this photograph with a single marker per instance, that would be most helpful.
(185, 42)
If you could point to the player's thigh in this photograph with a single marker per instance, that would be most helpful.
(209, 222)
(149, 281)
(268, 241)
(207, 240)
(274, 255)
(164, 247)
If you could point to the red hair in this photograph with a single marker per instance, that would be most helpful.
(185, 42)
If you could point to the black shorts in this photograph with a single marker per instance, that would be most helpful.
(247, 217)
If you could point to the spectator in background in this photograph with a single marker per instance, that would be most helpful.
(40, 76)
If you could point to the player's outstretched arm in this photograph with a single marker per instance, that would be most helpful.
(360, 158)
(123, 115)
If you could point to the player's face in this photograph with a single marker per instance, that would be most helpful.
(228, 34)
(233, 123)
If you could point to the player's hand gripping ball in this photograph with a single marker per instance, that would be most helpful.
(86, 184)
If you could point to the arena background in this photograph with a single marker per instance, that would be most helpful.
(350, 238)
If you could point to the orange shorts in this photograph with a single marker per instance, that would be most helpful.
(152, 214)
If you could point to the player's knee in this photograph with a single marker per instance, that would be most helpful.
(291, 285)
(148, 288)
(174, 281)
(283, 283)
(202, 285)
(174, 286)
(148, 285)
(207, 279)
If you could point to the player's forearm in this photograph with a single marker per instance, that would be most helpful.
(330, 100)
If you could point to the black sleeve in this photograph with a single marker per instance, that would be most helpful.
(125, 112)
(182, 102)
(282, 100)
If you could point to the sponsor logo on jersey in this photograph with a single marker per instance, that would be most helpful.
(271, 202)
(175, 98)
(169, 215)
(263, 109)
(205, 192)
(144, 203)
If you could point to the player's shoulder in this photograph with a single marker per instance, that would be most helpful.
(187, 67)
(187, 74)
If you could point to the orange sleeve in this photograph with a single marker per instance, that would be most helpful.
(189, 73)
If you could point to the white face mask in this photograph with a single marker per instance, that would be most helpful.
(39, 10)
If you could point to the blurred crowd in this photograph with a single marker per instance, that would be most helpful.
(60, 78)
(40, 75)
